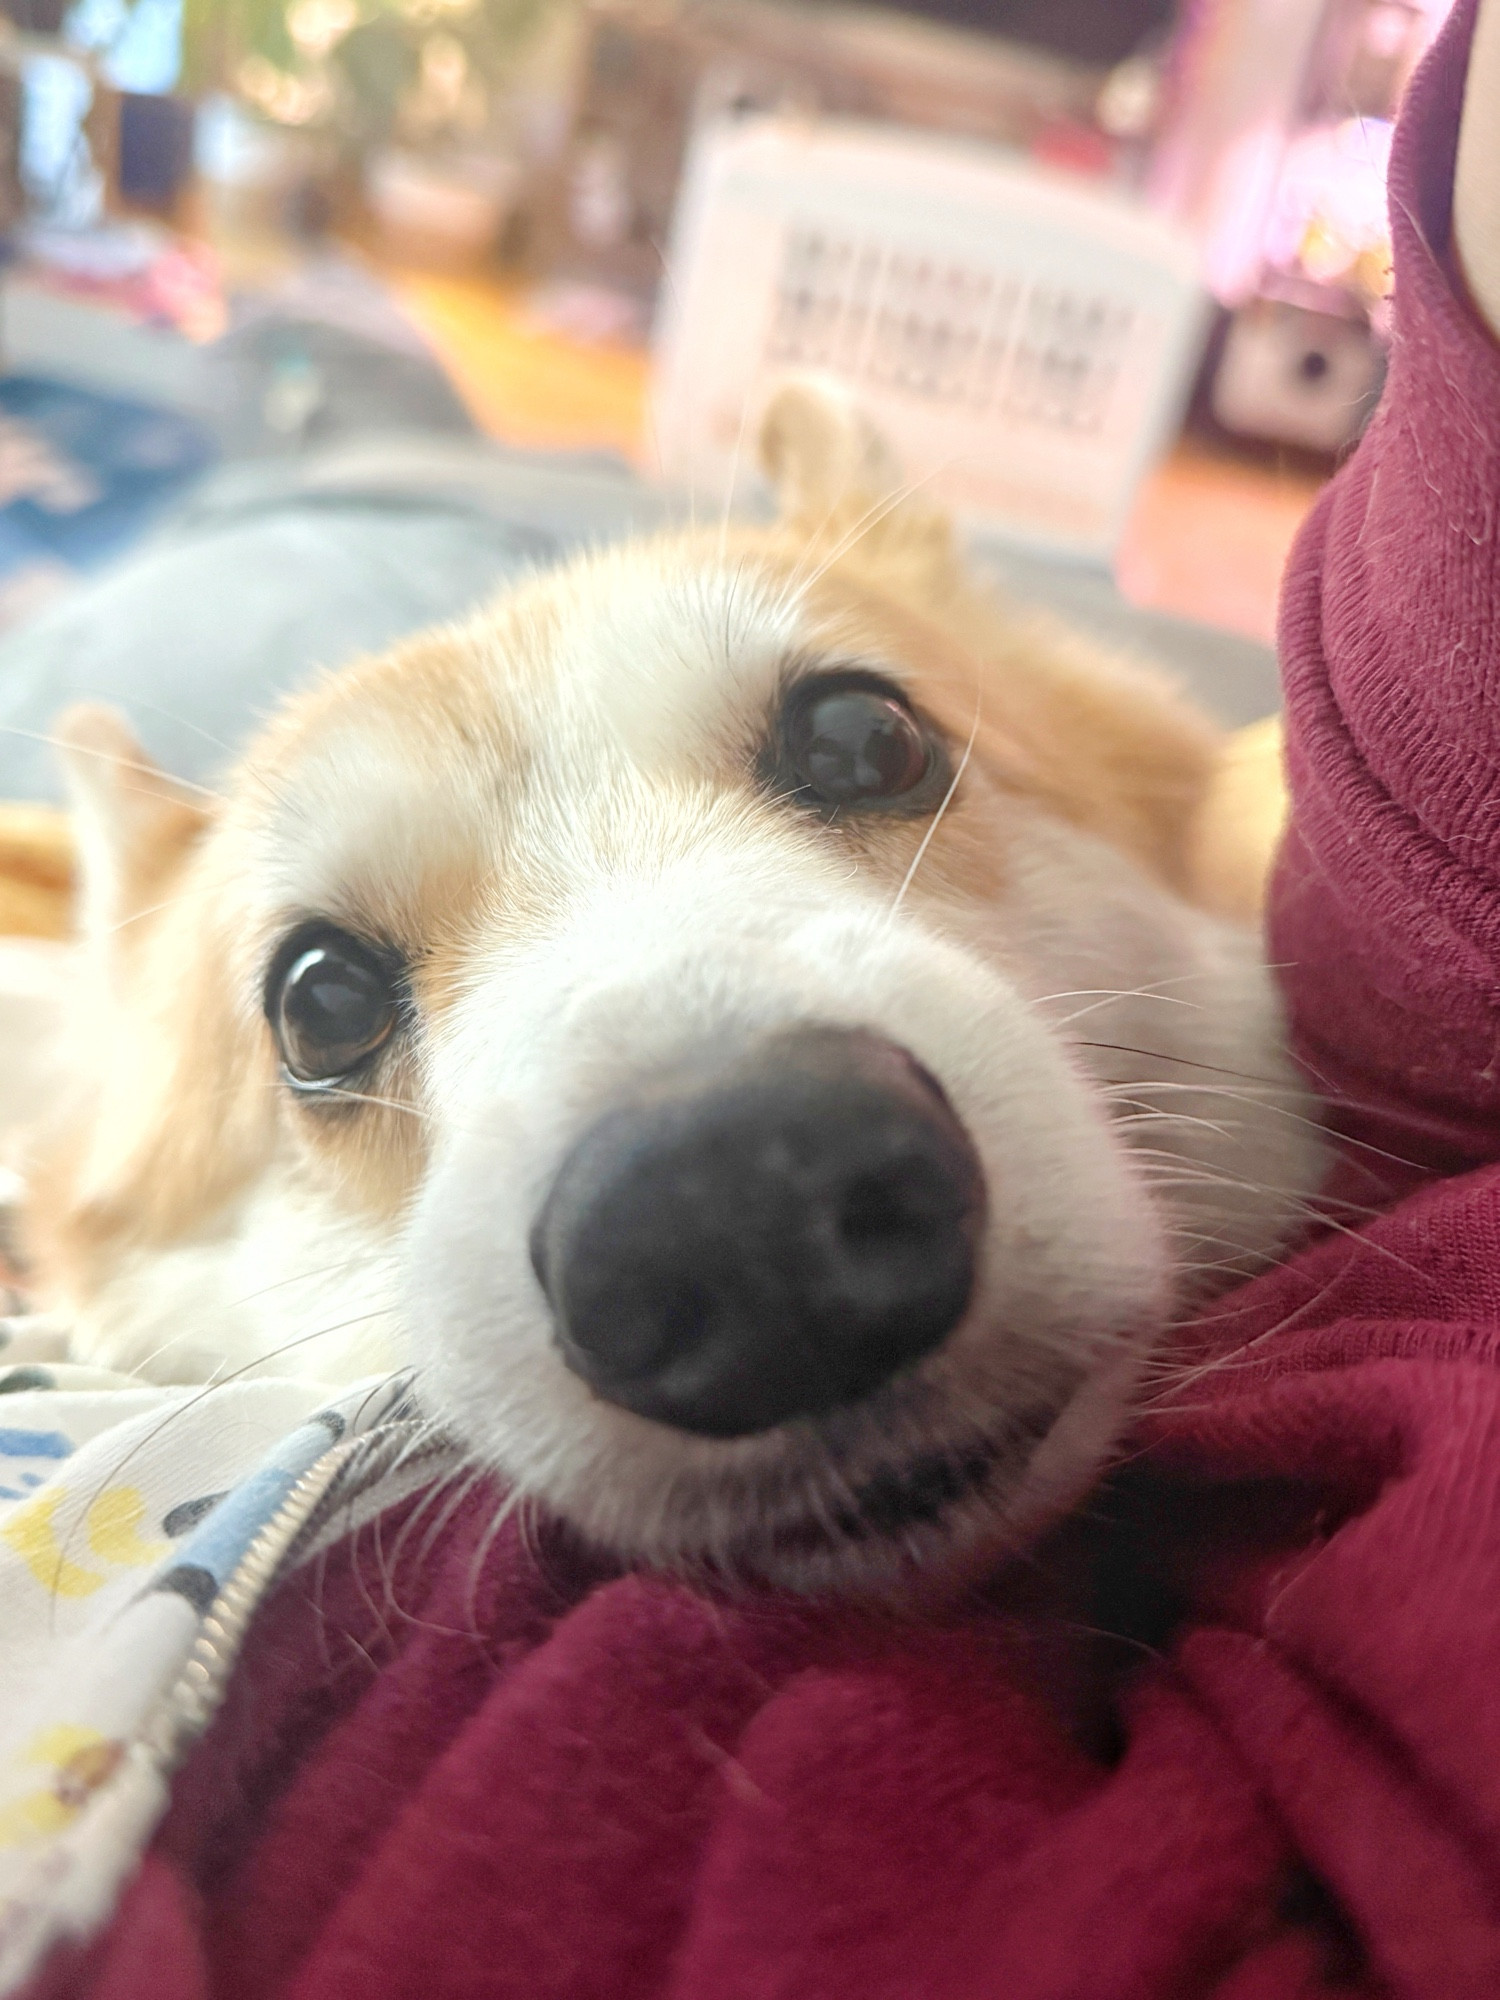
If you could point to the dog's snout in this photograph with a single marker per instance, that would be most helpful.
(766, 1242)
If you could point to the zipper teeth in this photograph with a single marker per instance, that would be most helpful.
(177, 1716)
(400, 1453)
(196, 1692)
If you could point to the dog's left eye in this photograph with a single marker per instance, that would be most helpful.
(851, 740)
(332, 1002)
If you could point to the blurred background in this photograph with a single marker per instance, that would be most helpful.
(511, 274)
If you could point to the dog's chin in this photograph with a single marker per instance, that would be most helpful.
(912, 1526)
(904, 1498)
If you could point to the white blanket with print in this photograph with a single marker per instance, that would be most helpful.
(139, 1526)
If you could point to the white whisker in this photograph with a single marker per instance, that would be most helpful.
(937, 818)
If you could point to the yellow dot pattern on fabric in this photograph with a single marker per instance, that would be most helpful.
(31, 1534)
(58, 1744)
(40, 1814)
(112, 1530)
(36, 1817)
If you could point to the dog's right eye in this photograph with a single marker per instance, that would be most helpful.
(332, 1001)
(849, 740)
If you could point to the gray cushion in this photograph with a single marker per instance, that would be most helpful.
(275, 568)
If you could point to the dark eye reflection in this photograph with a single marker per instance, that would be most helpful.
(332, 1001)
(852, 740)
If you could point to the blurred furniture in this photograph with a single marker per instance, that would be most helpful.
(1275, 154)
(1095, 31)
(650, 76)
(277, 567)
(1205, 541)
(1025, 339)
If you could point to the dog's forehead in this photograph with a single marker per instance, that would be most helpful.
(659, 652)
(649, 663)
(369, 815)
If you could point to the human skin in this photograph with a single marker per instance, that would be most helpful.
(1476, 187)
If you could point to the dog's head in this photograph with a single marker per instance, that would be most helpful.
(733, 1016)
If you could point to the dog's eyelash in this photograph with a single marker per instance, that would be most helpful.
(308, 928)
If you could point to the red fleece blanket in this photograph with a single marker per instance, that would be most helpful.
(462, 1764)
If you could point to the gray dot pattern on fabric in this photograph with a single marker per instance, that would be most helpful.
(187, 1514)
(27, 1377)
(199, 1586)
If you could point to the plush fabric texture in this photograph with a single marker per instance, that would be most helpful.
(1386, 915)
(461, 1761)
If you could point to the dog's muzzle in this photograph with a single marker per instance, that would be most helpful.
(766, 1240)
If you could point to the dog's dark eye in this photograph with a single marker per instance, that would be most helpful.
(332, 1002)
(853, 741)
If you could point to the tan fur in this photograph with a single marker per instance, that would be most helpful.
(1115, 753)
(36, 872)
(1238, 828)
(455, 792)
(1113, 747)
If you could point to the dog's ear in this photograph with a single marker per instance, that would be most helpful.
(134, 825)
(838, 481)
(819, 449)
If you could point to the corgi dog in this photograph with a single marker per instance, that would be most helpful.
(736, 1018)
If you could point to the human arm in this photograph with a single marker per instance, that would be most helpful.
(1384, 913)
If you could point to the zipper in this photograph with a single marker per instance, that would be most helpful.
(76, 1887)
(189, 1704)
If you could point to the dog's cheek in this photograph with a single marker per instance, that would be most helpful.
(368, 1151)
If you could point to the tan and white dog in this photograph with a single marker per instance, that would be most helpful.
(734, 1016)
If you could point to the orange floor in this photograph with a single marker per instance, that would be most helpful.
(522, 382)
(1208, 539)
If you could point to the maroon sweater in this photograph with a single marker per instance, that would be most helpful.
(456, 1767)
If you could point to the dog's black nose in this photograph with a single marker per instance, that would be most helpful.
(766, 1242)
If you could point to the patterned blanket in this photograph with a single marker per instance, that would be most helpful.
(139, 1528)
